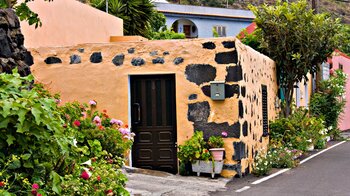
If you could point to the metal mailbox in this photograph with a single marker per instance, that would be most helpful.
(217, 90)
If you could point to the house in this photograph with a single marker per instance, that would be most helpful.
(342, 61)
(199, 21)
(165, 90)
(69, 22)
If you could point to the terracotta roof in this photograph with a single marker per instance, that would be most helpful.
(249, 30)
(339, 53)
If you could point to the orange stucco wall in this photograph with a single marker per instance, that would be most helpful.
(108, 84)
(69, 22)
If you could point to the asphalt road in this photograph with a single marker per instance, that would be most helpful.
(326, 174)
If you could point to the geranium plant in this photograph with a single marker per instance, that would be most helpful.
(194, 149)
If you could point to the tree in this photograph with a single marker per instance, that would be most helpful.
(296, 39)
(23, 11)
(345, 39)
(136, 14)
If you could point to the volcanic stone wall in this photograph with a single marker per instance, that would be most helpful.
(102, 71)
(12, 52)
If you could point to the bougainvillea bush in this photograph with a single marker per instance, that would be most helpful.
(46, 149)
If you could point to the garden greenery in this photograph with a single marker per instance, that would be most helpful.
(329, 101)
(297, 39)
(297, 131)
(47, 149)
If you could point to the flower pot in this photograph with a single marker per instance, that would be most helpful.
(217, 153)
(212, 167)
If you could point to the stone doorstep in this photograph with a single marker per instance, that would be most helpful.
(146, 171)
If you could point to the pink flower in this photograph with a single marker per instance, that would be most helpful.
(97, 120)
(85, 175)
(38, 194)
(92, 102)
(124, 131)
(58, 101)
(224, 134)
(35, 186)
(117, 122)
(76, 123)
(84, 114)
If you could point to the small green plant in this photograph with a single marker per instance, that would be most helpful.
(215, 33)
(216, 142)
(282, 157)
(262, 163)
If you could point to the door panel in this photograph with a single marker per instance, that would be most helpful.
(187, 31)
(153, 122)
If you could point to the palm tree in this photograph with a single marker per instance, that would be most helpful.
(136, 14)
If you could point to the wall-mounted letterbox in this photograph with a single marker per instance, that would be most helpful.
(217, 90)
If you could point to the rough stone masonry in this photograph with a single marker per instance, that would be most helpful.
(12, 51)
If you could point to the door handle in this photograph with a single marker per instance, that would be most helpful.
(138, 118)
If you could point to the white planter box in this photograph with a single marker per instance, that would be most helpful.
(207, 167)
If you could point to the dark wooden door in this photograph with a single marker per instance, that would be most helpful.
(187, 31)
(154, 122)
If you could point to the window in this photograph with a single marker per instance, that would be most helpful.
(265, 111)
(221, 30)
(341, 66)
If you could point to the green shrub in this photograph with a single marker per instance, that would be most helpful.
(32, 140)
(193, 149)
(297, 131)
(328, 103)
(105, 178)
(167, 34)
(98, 139)
(250, 39)
(43, 147)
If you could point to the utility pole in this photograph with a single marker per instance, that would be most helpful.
(107, 6)
(314, 5)
(226, 3)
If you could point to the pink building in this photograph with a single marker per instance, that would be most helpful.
(342, 61)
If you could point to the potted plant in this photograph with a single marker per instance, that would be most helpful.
(216, 144)
(195, 151)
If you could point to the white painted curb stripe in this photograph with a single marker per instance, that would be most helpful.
(243, 189)
(312, 156)
(301, 162)
(270, 176)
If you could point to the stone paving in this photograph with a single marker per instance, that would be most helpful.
(152, 183)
